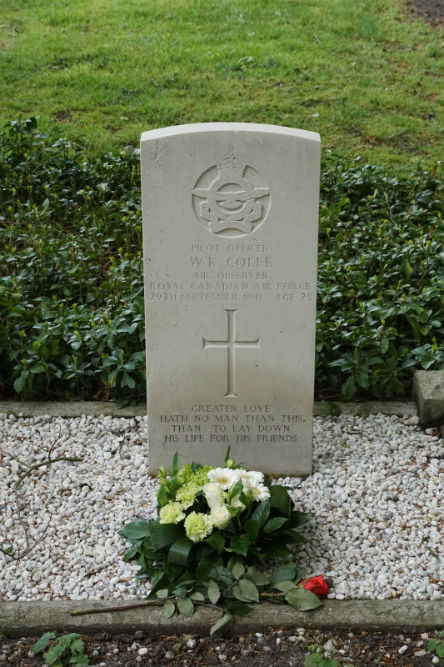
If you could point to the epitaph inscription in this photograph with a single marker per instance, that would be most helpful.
(230, 293)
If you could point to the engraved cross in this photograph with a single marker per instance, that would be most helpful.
(231, 344)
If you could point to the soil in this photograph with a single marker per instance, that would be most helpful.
(431, 10)
(275, 648)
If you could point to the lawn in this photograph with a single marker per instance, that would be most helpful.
(366, 75)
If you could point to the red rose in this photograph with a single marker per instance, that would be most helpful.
(316, 585)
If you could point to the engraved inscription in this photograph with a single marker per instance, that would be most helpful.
(231, 344)
(230, 273)
(231, 198)
(246, 424)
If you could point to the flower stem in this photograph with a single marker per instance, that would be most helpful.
(124, 607)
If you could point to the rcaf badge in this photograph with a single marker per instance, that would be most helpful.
(231, 198)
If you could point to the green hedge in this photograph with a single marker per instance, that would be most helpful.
(71, 276)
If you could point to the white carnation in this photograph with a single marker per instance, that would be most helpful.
(237, 502)
(225, 477)
(214, 495)
(260, 492)
(250, 478)
(220, 517)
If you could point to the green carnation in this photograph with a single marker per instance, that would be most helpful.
(187, 494)
(198, 526)
(201, 475)
(171, 513)
(185, 474)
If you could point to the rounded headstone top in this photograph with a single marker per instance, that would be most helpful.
(198, 128)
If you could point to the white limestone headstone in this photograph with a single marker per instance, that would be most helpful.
(230, 216)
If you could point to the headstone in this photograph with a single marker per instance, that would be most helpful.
(230, 249)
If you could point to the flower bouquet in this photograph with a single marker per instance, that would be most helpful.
(218, 532)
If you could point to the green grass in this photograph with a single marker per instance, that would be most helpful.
(364, 74)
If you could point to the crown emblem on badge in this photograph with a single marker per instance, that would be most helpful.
(230, 161)
(231, 197)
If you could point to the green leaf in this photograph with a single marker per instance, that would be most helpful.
(175, 464)
(274, 524)
(180, 552)
(280, 499)
(54, 652)
(319, 660)
(222, 576)
(79, 660)
(156, 580)
(221, 625)
(203, 550)
(42, 643)
(227, 456)
(76, 646)
(185, 606)
(127, 380)
(180, 591)
(213, 591)
(286, 586)
(130, 553)
(162, 593)
(63, 643)
(136, 530)
(238, 569)
(261, 512)
(249, 590)
(240, 545)
(168, 609)
(362, 378)
(163, 497)
(303, 600)
(437, 645)
(164, 534)
(196, 596)
(20, 382)
(246, 591)
(36, 369)
(347, 363)
(292, 537)
(252, 526)
(205, 567)
(235, 490)
(187, 579)
(348, 388)
(299, 518)
(257, 577)
(278, 550)
(238, 593)
(284, 573)
(217, 541)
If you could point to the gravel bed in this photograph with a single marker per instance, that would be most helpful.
(377, 496)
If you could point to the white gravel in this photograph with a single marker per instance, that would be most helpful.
(377, 495)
